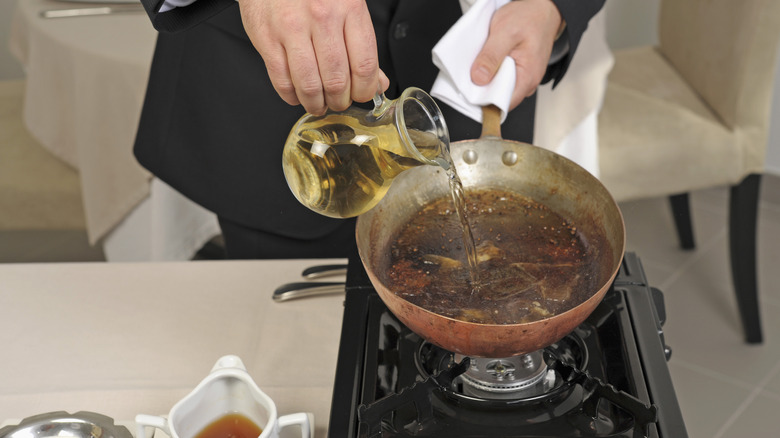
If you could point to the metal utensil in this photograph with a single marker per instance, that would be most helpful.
(291, 291)
(96, 10)
(321, 271)
(79, 425)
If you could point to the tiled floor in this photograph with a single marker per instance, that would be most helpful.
(726, 389)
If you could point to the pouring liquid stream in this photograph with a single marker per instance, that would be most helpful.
(459, 200)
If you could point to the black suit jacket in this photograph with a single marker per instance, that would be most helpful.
(213, 127)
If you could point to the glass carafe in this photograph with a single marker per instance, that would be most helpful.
(341, 164)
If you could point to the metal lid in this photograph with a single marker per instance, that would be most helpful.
(82, 424)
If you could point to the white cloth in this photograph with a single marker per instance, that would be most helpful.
(581, 144)
(166, 226)
(566, 118)
(455, 53)
(85, 85)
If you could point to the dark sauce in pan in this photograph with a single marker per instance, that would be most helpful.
(533, 263)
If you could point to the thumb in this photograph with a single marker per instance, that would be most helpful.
(486, 64)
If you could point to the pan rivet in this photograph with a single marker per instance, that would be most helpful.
(470, 156)
(509, 158)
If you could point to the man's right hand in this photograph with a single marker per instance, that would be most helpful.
(319, 53)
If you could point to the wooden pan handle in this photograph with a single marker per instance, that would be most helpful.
(491, 121)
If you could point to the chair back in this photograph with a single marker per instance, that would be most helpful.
(726, 51)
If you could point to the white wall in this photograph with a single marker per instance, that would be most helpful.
(632, 23)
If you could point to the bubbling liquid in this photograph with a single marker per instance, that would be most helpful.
(532, 262)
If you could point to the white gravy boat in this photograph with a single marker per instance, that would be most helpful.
(228, 389)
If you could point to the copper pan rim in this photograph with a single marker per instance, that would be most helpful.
(541, 174)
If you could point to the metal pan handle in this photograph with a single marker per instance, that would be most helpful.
(292, 291)
(320, 271)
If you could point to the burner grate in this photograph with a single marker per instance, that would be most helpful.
(588, 402)
(418, 394)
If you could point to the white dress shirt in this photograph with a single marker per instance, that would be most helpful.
(170, 4)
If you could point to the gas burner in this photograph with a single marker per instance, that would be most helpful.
(513, 378)
(531, 376)
(607, 378)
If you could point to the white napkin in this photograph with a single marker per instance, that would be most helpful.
(455, 53)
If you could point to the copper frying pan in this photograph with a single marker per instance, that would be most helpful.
(492, 162)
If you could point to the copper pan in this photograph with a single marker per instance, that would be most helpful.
(492, 162)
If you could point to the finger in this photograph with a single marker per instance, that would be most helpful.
(529, 71)
(333, 64)
(305, 75)
(366, 78)
(524, 85)
(490, 58)
(271, 49)
(279, 74)
(384, 81)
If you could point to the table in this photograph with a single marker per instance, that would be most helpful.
(86, 81)
(127, 338)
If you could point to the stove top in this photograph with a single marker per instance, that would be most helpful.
(608, 378)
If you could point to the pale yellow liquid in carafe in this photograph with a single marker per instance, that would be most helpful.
(338, 167)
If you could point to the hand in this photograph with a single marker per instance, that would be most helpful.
(526, 31)
(319, 53)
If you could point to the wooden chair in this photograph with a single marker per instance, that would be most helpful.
(693, 112)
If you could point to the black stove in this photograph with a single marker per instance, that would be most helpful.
(608, 378)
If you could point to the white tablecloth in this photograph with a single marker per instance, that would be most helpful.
(566, 117)
(127, 338)
(86, 80)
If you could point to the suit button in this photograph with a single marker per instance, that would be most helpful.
(401, 30)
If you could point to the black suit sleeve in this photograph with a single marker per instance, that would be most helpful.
(577, 14)
(179, 19)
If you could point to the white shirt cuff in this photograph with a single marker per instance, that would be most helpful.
(172, 4)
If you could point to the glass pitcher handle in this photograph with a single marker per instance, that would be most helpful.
(380, 104)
